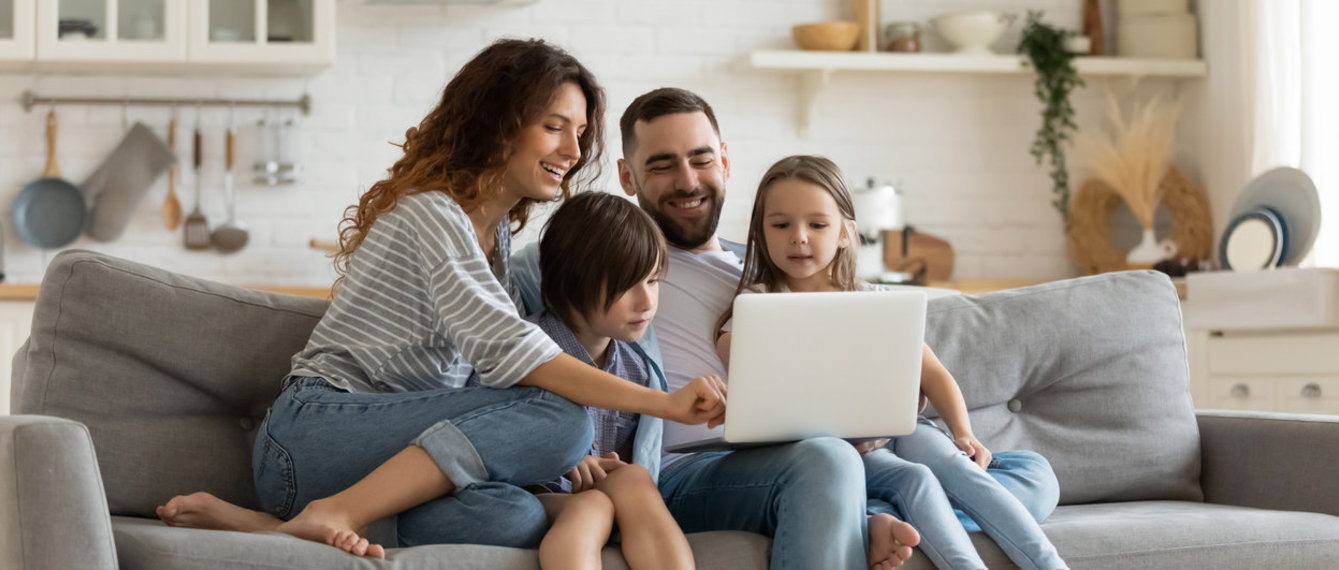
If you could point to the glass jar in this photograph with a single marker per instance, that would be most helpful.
(904, 37)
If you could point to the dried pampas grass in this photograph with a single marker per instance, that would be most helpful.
(1133, 158)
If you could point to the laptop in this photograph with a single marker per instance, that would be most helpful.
(821, 364)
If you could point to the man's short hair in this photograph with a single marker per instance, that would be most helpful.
(658, 103)
(595, 247)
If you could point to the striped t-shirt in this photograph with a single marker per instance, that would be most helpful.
(421, 307)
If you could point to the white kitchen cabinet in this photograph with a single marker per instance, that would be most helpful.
(273, 32)
(1273, 370)
(16, 31)
(16, 317)
(111, 31)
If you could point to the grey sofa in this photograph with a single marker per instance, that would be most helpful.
(138, 384)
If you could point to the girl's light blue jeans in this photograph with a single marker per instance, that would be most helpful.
(318, 440)
(809, 496)
(925, 476)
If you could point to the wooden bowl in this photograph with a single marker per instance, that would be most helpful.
(826, 36)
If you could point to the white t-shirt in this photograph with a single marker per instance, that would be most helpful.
(697, 288)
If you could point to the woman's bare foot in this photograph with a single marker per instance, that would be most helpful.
(322, 522)
(890, 541)
(203, 510)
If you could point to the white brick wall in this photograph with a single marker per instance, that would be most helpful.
(958, 143)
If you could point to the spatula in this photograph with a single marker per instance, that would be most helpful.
(196, 230)
(171, 205)
(232, 235)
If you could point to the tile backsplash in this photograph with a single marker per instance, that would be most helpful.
(956, 143)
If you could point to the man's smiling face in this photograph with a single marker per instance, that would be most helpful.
(678, 171)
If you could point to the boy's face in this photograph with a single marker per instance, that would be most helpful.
(677, 171)
(631, 313)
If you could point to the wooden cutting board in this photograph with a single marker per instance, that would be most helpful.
(922, 250)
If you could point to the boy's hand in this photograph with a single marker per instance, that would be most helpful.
(587, 473)
(702, 400)
(870, 445)
(974, 449)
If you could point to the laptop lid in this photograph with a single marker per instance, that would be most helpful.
(810, 364)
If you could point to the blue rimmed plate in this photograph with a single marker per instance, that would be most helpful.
(1253, 241)
(1291, 195)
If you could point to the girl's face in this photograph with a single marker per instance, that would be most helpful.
(547, 149)
(803, 228)
(631, 313)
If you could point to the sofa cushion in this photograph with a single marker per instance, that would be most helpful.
(171, 374)
(146, 545)
(1089, 372)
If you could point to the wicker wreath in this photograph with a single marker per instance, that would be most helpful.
(1091, 209)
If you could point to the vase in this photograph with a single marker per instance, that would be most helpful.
(1149, 251)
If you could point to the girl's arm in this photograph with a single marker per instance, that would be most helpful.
(723, 349)
(943, 392)
(702, 400)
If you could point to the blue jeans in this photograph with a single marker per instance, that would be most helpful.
(924, 475)
(317, 440)
(808, 496)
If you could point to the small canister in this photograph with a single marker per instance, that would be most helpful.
(904, 37)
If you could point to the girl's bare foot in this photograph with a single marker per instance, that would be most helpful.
(322, 522)
(890, 541)
(203, 510)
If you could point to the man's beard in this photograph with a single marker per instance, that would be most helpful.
(677, 234)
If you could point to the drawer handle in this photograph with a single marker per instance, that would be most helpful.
(1311, 391)
(1241, 391)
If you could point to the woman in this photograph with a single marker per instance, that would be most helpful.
(372, 420)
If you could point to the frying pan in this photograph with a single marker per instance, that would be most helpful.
(50, 212)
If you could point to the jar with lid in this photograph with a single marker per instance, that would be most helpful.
(903, 37)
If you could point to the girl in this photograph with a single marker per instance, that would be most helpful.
(373, 419)
(800, 239)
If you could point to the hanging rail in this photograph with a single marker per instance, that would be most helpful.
(30, 99)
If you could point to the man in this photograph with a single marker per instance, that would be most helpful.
(676, 165)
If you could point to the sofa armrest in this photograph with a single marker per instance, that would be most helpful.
(53, 511)
(1270, 460)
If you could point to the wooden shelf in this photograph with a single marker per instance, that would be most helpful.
(816, 68)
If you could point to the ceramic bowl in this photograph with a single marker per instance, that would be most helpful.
(826, 36)
(971, 32)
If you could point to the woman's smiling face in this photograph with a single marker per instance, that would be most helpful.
(547, 149)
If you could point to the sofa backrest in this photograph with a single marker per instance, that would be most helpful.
(171, 374)
(1090, 372)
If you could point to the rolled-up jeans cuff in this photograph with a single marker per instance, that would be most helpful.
(453, 453)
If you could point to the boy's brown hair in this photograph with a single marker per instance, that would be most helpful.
(595, 247)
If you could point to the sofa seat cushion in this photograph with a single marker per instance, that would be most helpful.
(1089, 372)
(146, 544)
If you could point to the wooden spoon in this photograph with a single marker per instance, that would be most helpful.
(171, 205)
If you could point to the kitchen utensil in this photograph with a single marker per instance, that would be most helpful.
(172, 205)
(1291, 194)
(972, 32)
(921, 254)
(232, 235)
(826, 36)
(195, 233)
(120, 182)
(50, 212)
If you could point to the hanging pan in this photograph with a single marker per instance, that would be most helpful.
(50, 212)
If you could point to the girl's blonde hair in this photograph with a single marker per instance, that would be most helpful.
(758, 266)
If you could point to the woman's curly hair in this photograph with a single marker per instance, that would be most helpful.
(462, 146)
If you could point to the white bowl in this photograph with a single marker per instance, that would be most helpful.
(971, 32)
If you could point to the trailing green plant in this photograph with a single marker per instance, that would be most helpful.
(1044, 45)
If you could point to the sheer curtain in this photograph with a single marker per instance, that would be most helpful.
(1270, 102)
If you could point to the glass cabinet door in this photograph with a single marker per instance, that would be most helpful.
(16, 30)
(111, 30)
(299, 32)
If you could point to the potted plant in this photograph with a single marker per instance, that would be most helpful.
(1044, 46)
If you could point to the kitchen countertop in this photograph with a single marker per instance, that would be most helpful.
(28, 292)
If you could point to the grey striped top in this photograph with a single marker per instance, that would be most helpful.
(421, 307)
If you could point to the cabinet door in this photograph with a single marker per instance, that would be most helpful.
(111, 30)
(1309, 395)
(260, 33)
(16, 30)
(1236, 393)
(16, 318)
